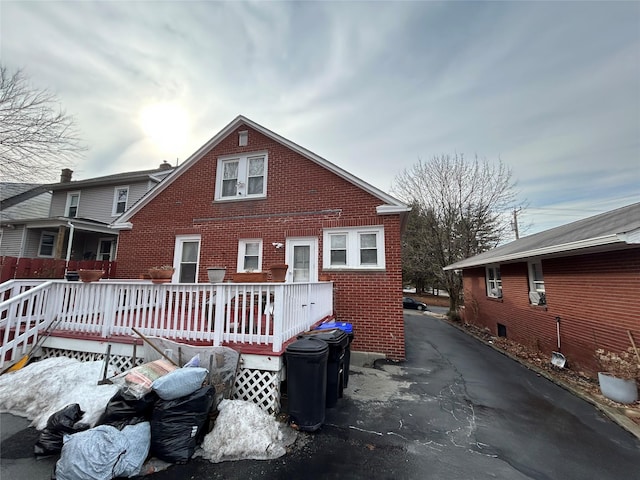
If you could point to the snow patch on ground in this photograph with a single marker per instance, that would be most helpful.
(42, 388)
(244, 431)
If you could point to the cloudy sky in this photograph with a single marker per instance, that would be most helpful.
(552, 89)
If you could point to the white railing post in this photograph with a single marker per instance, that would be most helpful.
(278, 317)
(109, 309)
(218, 319)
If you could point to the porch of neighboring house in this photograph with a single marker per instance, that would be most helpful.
(256, 319)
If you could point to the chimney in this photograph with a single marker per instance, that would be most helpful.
(165, 165)
(65, 176)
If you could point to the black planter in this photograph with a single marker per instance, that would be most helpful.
(72, 276)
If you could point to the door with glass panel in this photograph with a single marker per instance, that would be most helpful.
(185, 259)
(302, 258)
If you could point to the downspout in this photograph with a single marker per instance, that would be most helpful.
(71, 231)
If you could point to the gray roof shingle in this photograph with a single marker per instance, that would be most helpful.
(607, 228)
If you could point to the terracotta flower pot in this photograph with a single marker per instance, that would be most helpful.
(279, 272)
(159, 275)
(90, 275)
(250, 277)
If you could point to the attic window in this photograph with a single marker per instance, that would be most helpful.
(241, 177)
(243, 138)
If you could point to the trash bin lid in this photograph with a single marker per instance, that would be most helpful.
(344, 326)
(308, 346)
(334, 337)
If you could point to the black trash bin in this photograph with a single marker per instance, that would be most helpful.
(348, 329)
(337, 341)
(307, 382)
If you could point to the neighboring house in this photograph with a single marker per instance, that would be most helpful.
(38, 221)
(20, 202)
(586, 273)
(250, 198)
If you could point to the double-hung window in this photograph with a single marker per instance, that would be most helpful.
(241, 177)
(249, 255)
(47, 244)
(73, 200)
(537, 294)
(120, 196)
(494, 281)
(354, 248)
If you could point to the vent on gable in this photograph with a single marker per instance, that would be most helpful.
(243, 138)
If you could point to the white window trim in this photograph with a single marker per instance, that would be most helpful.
(490, 293)
(68, 204)
(242, 248)
(353, 248)
(532, 283)
(111, 252)
(114, 213)
(537, 295)
(53, 250)
(243, 176)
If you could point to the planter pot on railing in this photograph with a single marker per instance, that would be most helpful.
(90, 275)
(279, 272)
(72, 276)
(619, 390)
(250, 277)
(160, 275)
(216, 274)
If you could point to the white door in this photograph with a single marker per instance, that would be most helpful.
(302, 258)
(185, 259)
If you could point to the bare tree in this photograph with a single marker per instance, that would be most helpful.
(37, 137)
(465, 208)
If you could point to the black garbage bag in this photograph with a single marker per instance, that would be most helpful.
(178, 426)
(125, 409)
(62, 422)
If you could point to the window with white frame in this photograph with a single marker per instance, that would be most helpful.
(47, 244)
(120, 197)
(354, 248)
(249, 255)
(240, 177)
(537, 294)
(494, 281)
(73, 200)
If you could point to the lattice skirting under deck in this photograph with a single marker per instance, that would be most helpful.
(261, 387)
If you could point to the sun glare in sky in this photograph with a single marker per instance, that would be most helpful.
(166, 125)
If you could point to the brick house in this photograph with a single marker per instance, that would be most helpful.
(587, 273)
(250, 198)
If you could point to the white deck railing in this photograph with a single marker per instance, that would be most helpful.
(263, 313)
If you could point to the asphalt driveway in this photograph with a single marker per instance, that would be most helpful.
(456, 409)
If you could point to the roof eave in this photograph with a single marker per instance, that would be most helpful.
(540, 252)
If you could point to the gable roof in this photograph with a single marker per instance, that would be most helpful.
(611, 230)
(156, 174)
(21, 201)
(390, 205)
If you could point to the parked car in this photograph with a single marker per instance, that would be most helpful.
(408, 302)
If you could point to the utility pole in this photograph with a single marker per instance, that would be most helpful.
(515, 222)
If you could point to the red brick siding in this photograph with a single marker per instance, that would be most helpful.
(302, 199)
(596, 296)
